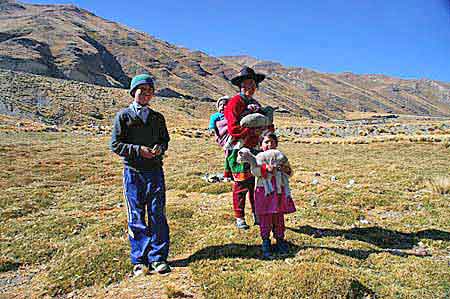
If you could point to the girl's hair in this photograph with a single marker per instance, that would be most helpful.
(270, 135)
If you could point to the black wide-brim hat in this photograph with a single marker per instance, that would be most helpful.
(247, 73)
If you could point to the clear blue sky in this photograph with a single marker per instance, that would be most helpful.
(402, 38)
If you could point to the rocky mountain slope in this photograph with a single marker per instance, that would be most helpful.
(69, 43)
(349, 92)
(53, 101)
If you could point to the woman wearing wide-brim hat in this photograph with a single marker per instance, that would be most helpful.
(238, 106)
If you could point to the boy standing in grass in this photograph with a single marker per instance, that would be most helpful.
(140, 137)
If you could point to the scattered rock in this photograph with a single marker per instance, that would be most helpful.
(51, 129)
(420, 250)
(363, 220)
(213, 177)
(351, 183)
(313, 202)
(315, 181)
(96, 115)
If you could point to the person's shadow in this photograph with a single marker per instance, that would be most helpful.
(381, 237)
(390, 241)
(233, 250)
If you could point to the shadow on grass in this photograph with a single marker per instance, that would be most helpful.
(245, 251)
(381, 237)
(9, 266)
(232, 250)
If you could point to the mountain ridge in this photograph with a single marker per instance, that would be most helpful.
(71, 43)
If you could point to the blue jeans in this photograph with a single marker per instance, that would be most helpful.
(149, 236)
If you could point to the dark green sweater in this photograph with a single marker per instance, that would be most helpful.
(130, 132)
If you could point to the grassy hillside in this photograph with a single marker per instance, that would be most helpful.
(63, 226)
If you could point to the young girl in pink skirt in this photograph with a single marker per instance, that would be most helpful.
(270, 208)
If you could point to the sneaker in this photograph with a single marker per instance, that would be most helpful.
(282, 246)
(241, 224)
(138, 270)
(255, 219)
(161, 267)
(266, 248)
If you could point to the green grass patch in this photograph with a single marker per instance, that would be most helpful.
(64, 217)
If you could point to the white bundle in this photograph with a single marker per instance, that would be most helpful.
(257, 120)
(274, 158)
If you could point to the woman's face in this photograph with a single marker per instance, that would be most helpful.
(248, 87)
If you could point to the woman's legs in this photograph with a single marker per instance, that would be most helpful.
(240, 190)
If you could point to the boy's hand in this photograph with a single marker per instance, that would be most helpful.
(157, 150)
(147, 152)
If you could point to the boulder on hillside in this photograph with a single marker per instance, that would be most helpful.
(198, 69)
(305, 113)
(310, 88)
(282, 111)
(170, 93)
(207, 99)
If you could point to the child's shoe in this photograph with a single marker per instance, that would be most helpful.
(241, 224)
(255, 219)
(282, 246)
(266, 248)
(161, 267)
(139, 270)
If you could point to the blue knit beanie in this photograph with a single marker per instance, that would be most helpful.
(139, 80)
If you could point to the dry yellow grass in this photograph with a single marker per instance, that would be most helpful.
(440, 185)
(63, 226)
